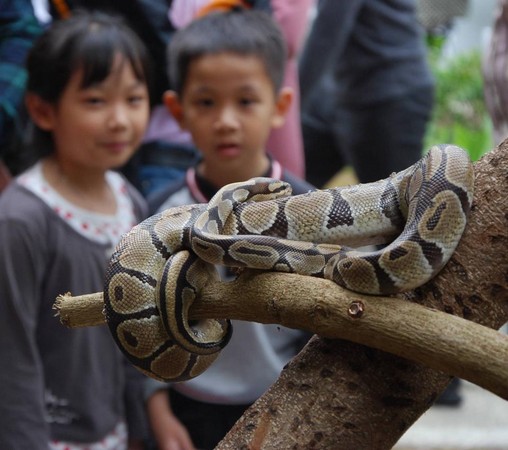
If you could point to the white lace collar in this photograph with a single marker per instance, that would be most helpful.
(101, 228)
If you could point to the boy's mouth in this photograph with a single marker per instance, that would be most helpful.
(228, 149)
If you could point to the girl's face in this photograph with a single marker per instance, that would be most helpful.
(99, 127)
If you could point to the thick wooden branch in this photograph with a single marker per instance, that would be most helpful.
(347, 394)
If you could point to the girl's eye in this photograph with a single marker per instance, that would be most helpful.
(136, 99)
(94, 100)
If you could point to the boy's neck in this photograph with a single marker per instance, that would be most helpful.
(219, 174)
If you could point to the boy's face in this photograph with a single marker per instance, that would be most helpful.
(229, 106)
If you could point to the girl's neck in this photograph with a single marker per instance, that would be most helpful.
(86, 189)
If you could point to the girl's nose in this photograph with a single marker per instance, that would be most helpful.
(118, 117)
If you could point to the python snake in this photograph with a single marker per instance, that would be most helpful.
(159, 267)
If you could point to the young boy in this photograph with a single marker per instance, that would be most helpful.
(227, 70)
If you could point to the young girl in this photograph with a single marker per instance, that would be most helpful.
(59, 221)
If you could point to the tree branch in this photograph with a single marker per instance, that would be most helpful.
(436, 339)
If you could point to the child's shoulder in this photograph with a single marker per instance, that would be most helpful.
(23, 214)
(19, 203)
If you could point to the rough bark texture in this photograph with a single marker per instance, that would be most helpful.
(341, 395)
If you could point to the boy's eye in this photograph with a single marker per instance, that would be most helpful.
(204, 102)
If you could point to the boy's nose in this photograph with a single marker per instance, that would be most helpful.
(226, 120)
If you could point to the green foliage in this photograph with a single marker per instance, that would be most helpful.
(459, 116)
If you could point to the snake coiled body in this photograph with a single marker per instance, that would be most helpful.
(159, 267)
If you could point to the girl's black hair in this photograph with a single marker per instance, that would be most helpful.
(242, 31)
(87, 41)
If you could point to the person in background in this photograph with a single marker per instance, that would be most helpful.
(367, 95)
(60, 220)
(366, 87)
(495, 75)
(18, 29)
(227, 69)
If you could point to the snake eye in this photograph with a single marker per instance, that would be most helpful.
(130, 339)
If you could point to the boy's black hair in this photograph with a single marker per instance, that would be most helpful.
(242, 31)
(88, 41)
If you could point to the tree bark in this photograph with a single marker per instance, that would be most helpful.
(342, 395)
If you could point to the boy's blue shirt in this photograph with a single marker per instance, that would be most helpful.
(206, 190)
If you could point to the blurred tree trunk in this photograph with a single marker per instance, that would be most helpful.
(341, 395)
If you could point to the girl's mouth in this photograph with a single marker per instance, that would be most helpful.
(117, 147)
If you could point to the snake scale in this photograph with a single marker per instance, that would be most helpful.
(159, 267)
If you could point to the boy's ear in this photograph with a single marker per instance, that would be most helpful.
(173, 105)
(41, 111)
(282, 105)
